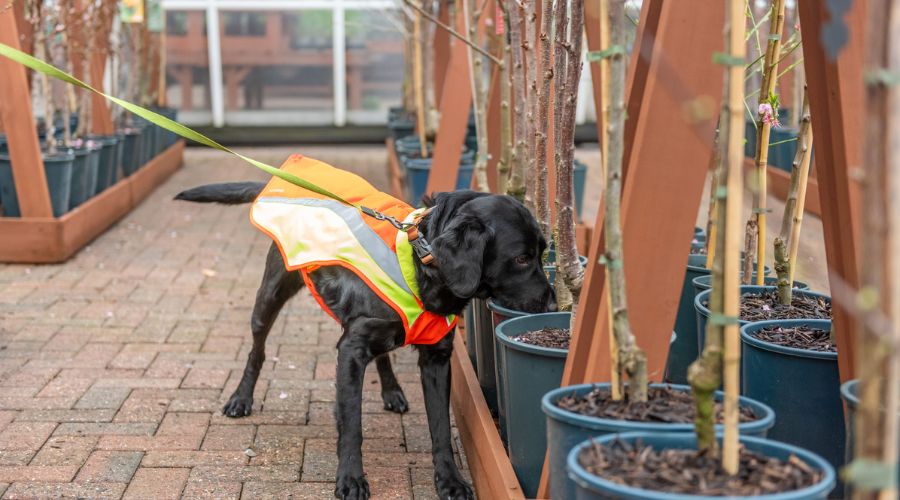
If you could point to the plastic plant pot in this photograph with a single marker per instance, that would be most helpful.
(683, 348)
(118, 154)
(106, 171)
(850, 395)
(702, 283)
(80, 175)
(131, 151)
(470, 335)
(487, 357)
(566, 429)
(593, 487)
(3, 145)
(57, 168)
(703, 311)
(401, 127)
(526, 372)
(484, 352)
(580, 180)
(417, 177)
(410, 145)
(802, 386)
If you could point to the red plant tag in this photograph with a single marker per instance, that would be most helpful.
(498, 21)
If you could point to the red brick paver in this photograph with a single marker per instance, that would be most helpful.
(114, 365)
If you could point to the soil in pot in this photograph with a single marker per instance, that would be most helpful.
(798, 337)
(691, 472)
(763, 306)
(554, 338)
(663, 405)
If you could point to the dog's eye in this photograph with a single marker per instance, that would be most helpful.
(523, 260)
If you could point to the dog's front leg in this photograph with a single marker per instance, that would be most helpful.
(434, 363)
(353, 356)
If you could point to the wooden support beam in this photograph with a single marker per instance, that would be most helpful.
(836, 98)
(455, 103)
(671, 73)
(441, 48)
(15, 110)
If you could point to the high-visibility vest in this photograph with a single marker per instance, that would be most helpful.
(312, 231)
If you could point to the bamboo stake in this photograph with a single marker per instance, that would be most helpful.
(705, 374)
(479, 94)
(757, 223)
(715, 168)
(516, 25)
(876, 424)
(418, 84)
(787, 243)
(632, 360)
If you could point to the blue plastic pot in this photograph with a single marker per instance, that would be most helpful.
(796, 383)
(593, 487)
(703, 311)
(417, 177)
(703, 283)
(484, 352)
(167, 138)
(566, 429)
(524, 374)
(683, 348)
(3, 145)
(401, 127)
(58, 170)
(107, 165)
(118, 172)
(850, 395)
(580, 178)
(410, 146)
(131, 151)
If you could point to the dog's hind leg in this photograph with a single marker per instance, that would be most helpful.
(391, 393)
(434, 363)
(278, 285)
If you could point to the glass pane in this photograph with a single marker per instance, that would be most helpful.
(277, 67)
(374, 64)
(187, 66)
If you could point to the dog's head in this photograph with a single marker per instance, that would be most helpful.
(490, 246)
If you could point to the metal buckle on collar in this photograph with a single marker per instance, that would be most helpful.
(420, 245)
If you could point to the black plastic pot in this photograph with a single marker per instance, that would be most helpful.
(483, 339)
(850, 395)
(401, 126)
(525, 373)
(106, 173)
(566, 429)
(418, 170)
(80, 176)
(131, 151)
(590, 487)
(166, 138)
(470, 335)
(803, 387)
(118, 172)
(57, 168)
(703, 310)
(3, 146)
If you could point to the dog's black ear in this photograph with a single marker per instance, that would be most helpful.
(459, 252)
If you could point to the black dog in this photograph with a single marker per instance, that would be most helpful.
(484, 246)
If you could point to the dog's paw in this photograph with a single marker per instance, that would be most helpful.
(394, 400)
(453, 487)
(238, 406)
(351, 487)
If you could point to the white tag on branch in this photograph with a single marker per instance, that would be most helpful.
(209, 273)
(250, 453)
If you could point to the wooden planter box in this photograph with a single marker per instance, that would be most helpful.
(51, 240)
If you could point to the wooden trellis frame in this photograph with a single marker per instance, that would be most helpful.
(37, 236)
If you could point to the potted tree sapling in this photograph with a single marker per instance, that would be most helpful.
(578, 412)
(872, 399)
(778, 354)
(57, 164)
(669, 465)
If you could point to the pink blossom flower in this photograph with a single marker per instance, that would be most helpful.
(767, 115)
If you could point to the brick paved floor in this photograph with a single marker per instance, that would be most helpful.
(114, 365)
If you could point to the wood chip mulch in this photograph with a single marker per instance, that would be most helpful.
(553, 338)
(690, 472)
(765, 306)
(798, 337)
(664, 404)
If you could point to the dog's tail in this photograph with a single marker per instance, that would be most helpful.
(227, 193)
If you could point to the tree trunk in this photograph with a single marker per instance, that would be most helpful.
(542, 203)
(632, 360)
(519, 159)
(530, 50)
